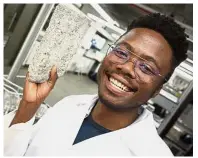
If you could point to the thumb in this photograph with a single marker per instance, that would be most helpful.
(53, 76)
(27, 76)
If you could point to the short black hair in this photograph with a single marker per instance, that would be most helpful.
(169, 29)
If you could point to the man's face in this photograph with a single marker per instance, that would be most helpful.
(147, 44)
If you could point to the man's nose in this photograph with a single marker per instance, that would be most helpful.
(128, 68)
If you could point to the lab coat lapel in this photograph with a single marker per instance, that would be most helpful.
(108, 144)
(133, 139)
(75, 120)
(136, 139)
(140, 137)
(126, 141)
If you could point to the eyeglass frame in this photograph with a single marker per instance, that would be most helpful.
(156, 73)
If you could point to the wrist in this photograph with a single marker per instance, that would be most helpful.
(25, 112)
(25, 102)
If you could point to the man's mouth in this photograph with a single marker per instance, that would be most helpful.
(117, 84)
(118, 87)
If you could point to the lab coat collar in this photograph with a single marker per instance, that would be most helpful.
(143, 127)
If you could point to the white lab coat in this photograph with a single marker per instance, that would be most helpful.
(56, 131)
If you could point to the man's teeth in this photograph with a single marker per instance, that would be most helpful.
(118, 85)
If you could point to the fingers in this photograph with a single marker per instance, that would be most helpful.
(27, 79)
(27, 76)
(28, 84)
(53, 76)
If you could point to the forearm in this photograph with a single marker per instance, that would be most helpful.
(25, 112)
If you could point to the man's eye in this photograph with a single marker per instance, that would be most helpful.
(121, 53)
(146, 68)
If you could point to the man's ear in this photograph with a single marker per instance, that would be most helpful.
(157, 91)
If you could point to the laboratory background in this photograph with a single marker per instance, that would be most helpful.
(25, 25)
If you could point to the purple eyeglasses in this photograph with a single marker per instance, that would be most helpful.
(144, 71)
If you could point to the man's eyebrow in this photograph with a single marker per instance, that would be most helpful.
(128, 46)
(143, 56)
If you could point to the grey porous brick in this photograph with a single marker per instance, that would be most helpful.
(59, 44)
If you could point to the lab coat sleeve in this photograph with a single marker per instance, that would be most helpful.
(18, 136)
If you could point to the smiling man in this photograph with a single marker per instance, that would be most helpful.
(113, 122)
